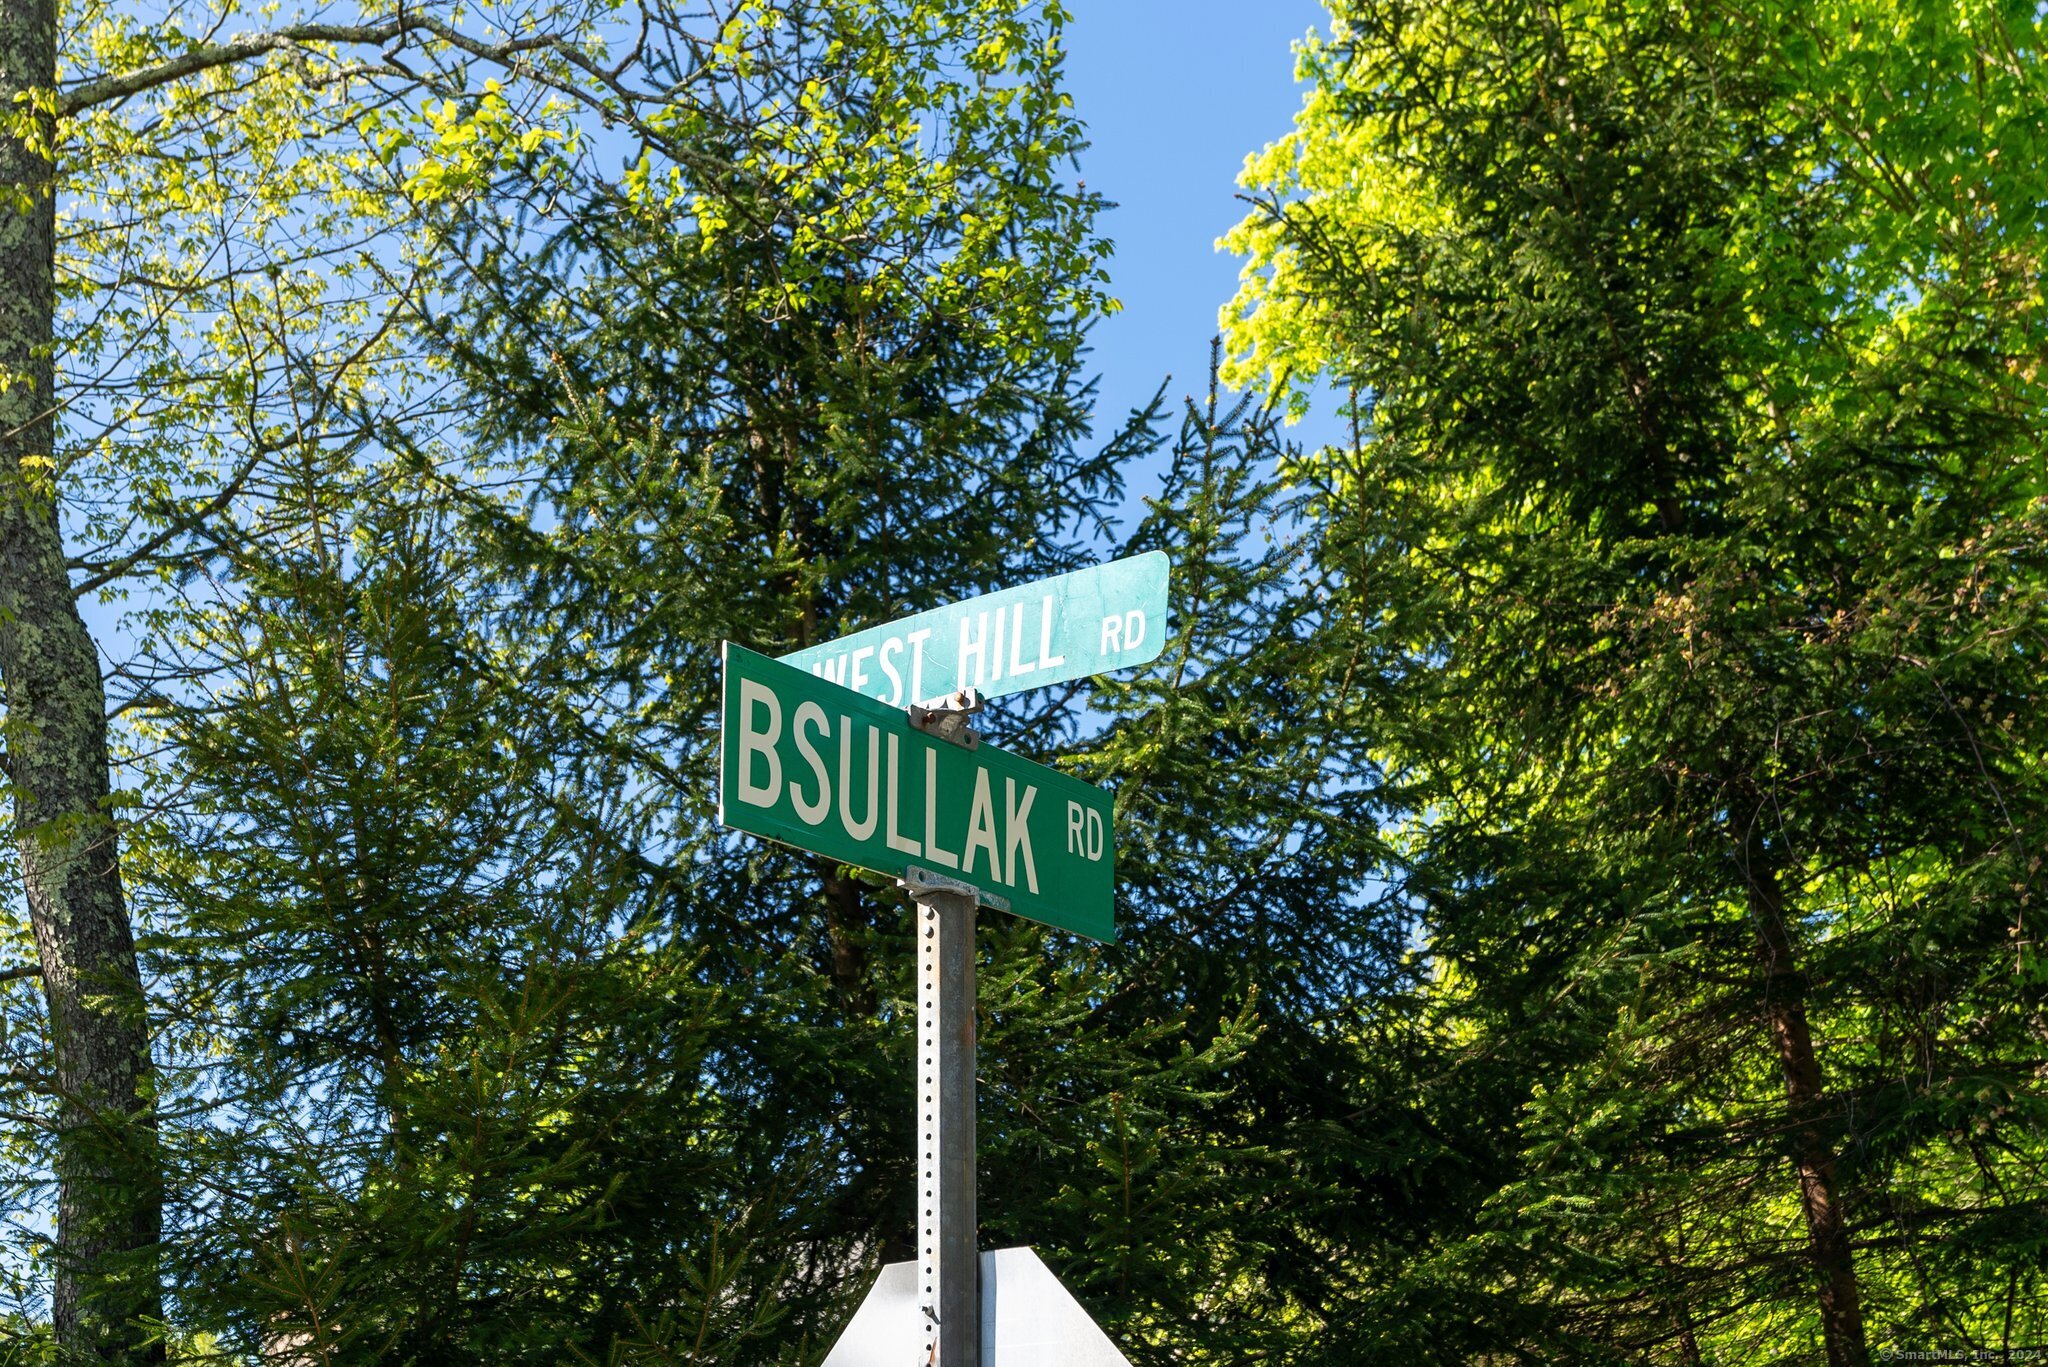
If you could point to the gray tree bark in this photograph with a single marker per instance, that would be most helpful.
(109, 1204)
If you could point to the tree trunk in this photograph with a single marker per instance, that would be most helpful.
(844, 921)
(1827, 1235)
(109, 1203)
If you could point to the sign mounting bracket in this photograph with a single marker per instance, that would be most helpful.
(946, 718)
(917, 882)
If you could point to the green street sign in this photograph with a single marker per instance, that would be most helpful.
(810, 764)
(1070, 626)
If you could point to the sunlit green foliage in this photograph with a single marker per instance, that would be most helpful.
(1695, 543)
(1575, 853)
(480, 1039)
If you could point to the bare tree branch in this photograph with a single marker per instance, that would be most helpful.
(109, 89)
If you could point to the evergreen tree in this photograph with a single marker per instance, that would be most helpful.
(1249, 862)
(493, 1044)
(450, 1089)
(1693, 536)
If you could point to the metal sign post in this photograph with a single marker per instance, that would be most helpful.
(822, 755)
(948, 1253)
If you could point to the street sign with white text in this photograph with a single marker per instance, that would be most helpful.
(812, 764)
(1092, 621)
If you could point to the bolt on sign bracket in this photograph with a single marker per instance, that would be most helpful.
(946, 719)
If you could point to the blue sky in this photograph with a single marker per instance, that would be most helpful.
(1175, 93)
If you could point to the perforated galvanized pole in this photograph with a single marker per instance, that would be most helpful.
(948, 1255)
